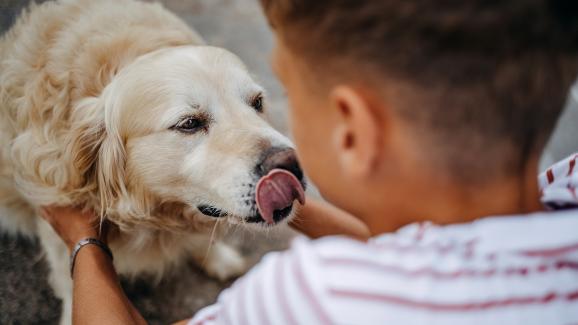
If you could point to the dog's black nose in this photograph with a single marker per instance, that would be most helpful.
(280, 158)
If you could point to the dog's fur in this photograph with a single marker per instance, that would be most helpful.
(90, 92)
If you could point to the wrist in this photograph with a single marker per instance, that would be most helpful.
(72, 241)
(93, 253)
(89, 245)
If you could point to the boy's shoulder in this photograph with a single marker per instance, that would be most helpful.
(496, 265)
(503, 270)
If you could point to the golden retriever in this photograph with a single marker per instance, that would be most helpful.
(118, 106)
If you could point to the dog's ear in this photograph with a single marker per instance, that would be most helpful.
(87, 133)
(97, 151)
(111, 168)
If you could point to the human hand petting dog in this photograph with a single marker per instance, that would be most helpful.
(73, 224)
(318, 218)
(98, 296)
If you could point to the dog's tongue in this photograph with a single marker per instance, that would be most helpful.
(277, 191)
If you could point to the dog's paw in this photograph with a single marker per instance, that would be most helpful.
(224, 262)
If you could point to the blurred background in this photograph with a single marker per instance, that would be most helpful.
(239, 26)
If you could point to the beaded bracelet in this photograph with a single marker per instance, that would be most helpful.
(84, 242)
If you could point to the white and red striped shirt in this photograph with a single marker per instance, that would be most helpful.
(496, 270)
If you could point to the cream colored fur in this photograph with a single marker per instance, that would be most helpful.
(89, 91)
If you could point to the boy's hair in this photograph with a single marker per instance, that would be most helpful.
(486, 79)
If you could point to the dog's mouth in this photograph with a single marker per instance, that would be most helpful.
(278, 215)
(275, 194)
(211, 211)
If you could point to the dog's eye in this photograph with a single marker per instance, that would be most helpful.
(191, 124)
(257, 103)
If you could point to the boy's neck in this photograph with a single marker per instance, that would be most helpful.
(450, 203)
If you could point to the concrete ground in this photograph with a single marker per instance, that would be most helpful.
(26, 298)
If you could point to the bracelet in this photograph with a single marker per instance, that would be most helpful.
(84, 242)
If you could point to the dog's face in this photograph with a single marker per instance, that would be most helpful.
(184, 126)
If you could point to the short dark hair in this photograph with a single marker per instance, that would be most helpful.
(488, 78)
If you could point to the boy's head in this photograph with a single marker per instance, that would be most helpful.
(382, 92)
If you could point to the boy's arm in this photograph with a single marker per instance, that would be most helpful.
(317, 219)
(97, 295)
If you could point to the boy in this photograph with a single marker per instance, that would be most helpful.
(427, 116)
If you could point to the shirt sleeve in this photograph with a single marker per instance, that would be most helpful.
(272, 292)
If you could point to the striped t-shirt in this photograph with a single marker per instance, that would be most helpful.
(496, 270)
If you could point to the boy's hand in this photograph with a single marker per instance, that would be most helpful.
(73, 224)
(317, 219)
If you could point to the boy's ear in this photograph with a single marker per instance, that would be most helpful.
(357, 135)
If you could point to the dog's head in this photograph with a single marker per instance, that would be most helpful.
(179, 134)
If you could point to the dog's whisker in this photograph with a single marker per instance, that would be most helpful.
(211, 241)
(101, 223)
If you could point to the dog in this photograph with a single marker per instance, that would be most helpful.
(118, 106)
